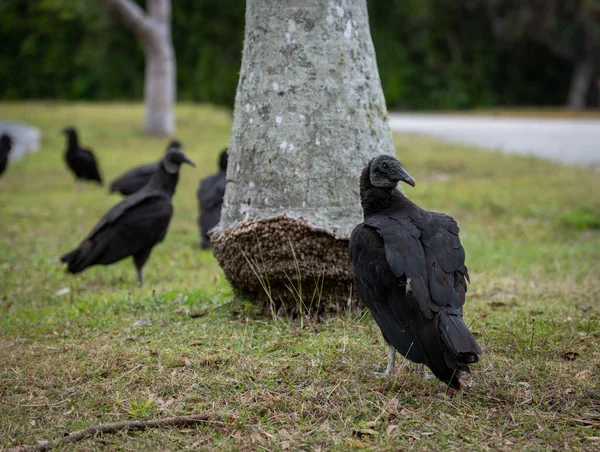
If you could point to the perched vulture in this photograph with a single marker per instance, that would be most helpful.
(409, 270)
(79, 160)
(134, 179)
(135, 225)
(210, 200)
(5, 147)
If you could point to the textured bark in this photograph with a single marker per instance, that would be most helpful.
(581, 82)
(153, 31)
(309, 114)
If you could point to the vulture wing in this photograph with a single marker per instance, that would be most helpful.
(448, 276)
(378, 285)
(211, 191)
(137, 223)
(88, 164)
(134, 179)
(128, 205)
(405, 255)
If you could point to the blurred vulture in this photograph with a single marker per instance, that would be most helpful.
(80, 161)
(5, 147)
(135, 225)
(134, 179)
(409, 269)
(210, 200)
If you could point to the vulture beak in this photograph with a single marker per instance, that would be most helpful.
(402, 175)
(184, 159)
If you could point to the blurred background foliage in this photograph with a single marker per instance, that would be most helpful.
(432, 54)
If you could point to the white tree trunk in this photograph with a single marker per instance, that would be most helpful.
(309, 114)
(153, 31)
(159, 88)
(159, 91)
(581, 82)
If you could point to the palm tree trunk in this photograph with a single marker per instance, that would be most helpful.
(309, 114)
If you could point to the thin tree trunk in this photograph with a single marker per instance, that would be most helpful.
(159, 91)
(309, 114)
(153, 31)
(581, 83)
(159, 88)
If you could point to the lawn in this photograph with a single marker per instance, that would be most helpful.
(108, 351)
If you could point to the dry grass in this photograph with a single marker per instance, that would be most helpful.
(75, 360)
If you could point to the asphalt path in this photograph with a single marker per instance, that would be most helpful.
(25, 138)
(572, 141)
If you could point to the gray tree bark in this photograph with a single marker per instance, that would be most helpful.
(309, 114)
(581, 83)
(153, 31)
(586, 69)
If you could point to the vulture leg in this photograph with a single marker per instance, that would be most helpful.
(140, 259)
(422, 370)
(389, 372)
(140, 276)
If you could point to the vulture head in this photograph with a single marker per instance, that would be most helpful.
(223, 160)
(385, 172)
(69, 131)
(71, 134)
(5, 142)
(175, 157)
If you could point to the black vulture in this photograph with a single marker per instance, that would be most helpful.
(5, 147)
(210, 200)
(409, 269)
(135, 225)
(79, 160)
(134, 179)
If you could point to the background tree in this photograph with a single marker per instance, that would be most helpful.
(432, 55)
(153, 31)
(309, 114)
(569, 28)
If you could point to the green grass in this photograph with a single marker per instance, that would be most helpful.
(530, 229)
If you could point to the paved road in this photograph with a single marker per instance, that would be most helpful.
(574, 141)
(25, 138)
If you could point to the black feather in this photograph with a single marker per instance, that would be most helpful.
(5, 148)
(409, 270)
(132, 227)
(134, 179)
(80, 161)
(210, 200)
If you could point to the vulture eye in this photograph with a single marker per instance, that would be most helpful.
(385, 165)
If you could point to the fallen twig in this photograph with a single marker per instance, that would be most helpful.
(114, 427)
(45, 405)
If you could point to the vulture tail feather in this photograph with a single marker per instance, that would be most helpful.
(460, 341)
(82, 257)
(73, 259)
